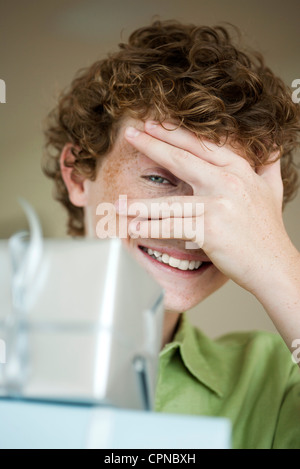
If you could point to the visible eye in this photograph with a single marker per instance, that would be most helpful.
(157, 179)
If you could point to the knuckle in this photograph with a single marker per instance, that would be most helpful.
(178, 155)
(224, 205)
(233, 182)
(184, 154)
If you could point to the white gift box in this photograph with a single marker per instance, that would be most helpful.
(81, 321)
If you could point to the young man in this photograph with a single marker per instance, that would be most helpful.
(180, 114)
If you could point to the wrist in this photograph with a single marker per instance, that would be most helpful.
(279, 293)
(281, 275)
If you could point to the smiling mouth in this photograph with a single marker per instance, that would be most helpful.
(173, 263)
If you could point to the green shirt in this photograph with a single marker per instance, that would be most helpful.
(248, 377)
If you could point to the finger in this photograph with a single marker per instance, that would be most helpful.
(218, 155)
(181, 163)
(161, 207)
(189, 229)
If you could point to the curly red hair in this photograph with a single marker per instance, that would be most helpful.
(195, 75)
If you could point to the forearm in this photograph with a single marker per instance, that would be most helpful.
(279, 294)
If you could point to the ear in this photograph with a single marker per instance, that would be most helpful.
(73, 180)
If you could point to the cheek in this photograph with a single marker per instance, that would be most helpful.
(107, 186)
(114, 178)
(117, 175)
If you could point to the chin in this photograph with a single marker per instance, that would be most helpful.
(175, 303)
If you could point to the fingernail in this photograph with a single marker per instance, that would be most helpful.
(132, 132)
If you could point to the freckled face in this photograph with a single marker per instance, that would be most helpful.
(124, 171)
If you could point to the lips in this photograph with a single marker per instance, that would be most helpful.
(177, 254)
(179, 262)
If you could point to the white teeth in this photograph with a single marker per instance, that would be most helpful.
(165, 258)
(172, 261)
(184, 265)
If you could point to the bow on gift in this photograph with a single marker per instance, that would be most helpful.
(26, 250)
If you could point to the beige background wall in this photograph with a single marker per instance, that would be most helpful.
(43, 43)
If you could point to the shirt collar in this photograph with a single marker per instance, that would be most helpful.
(201, 356)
